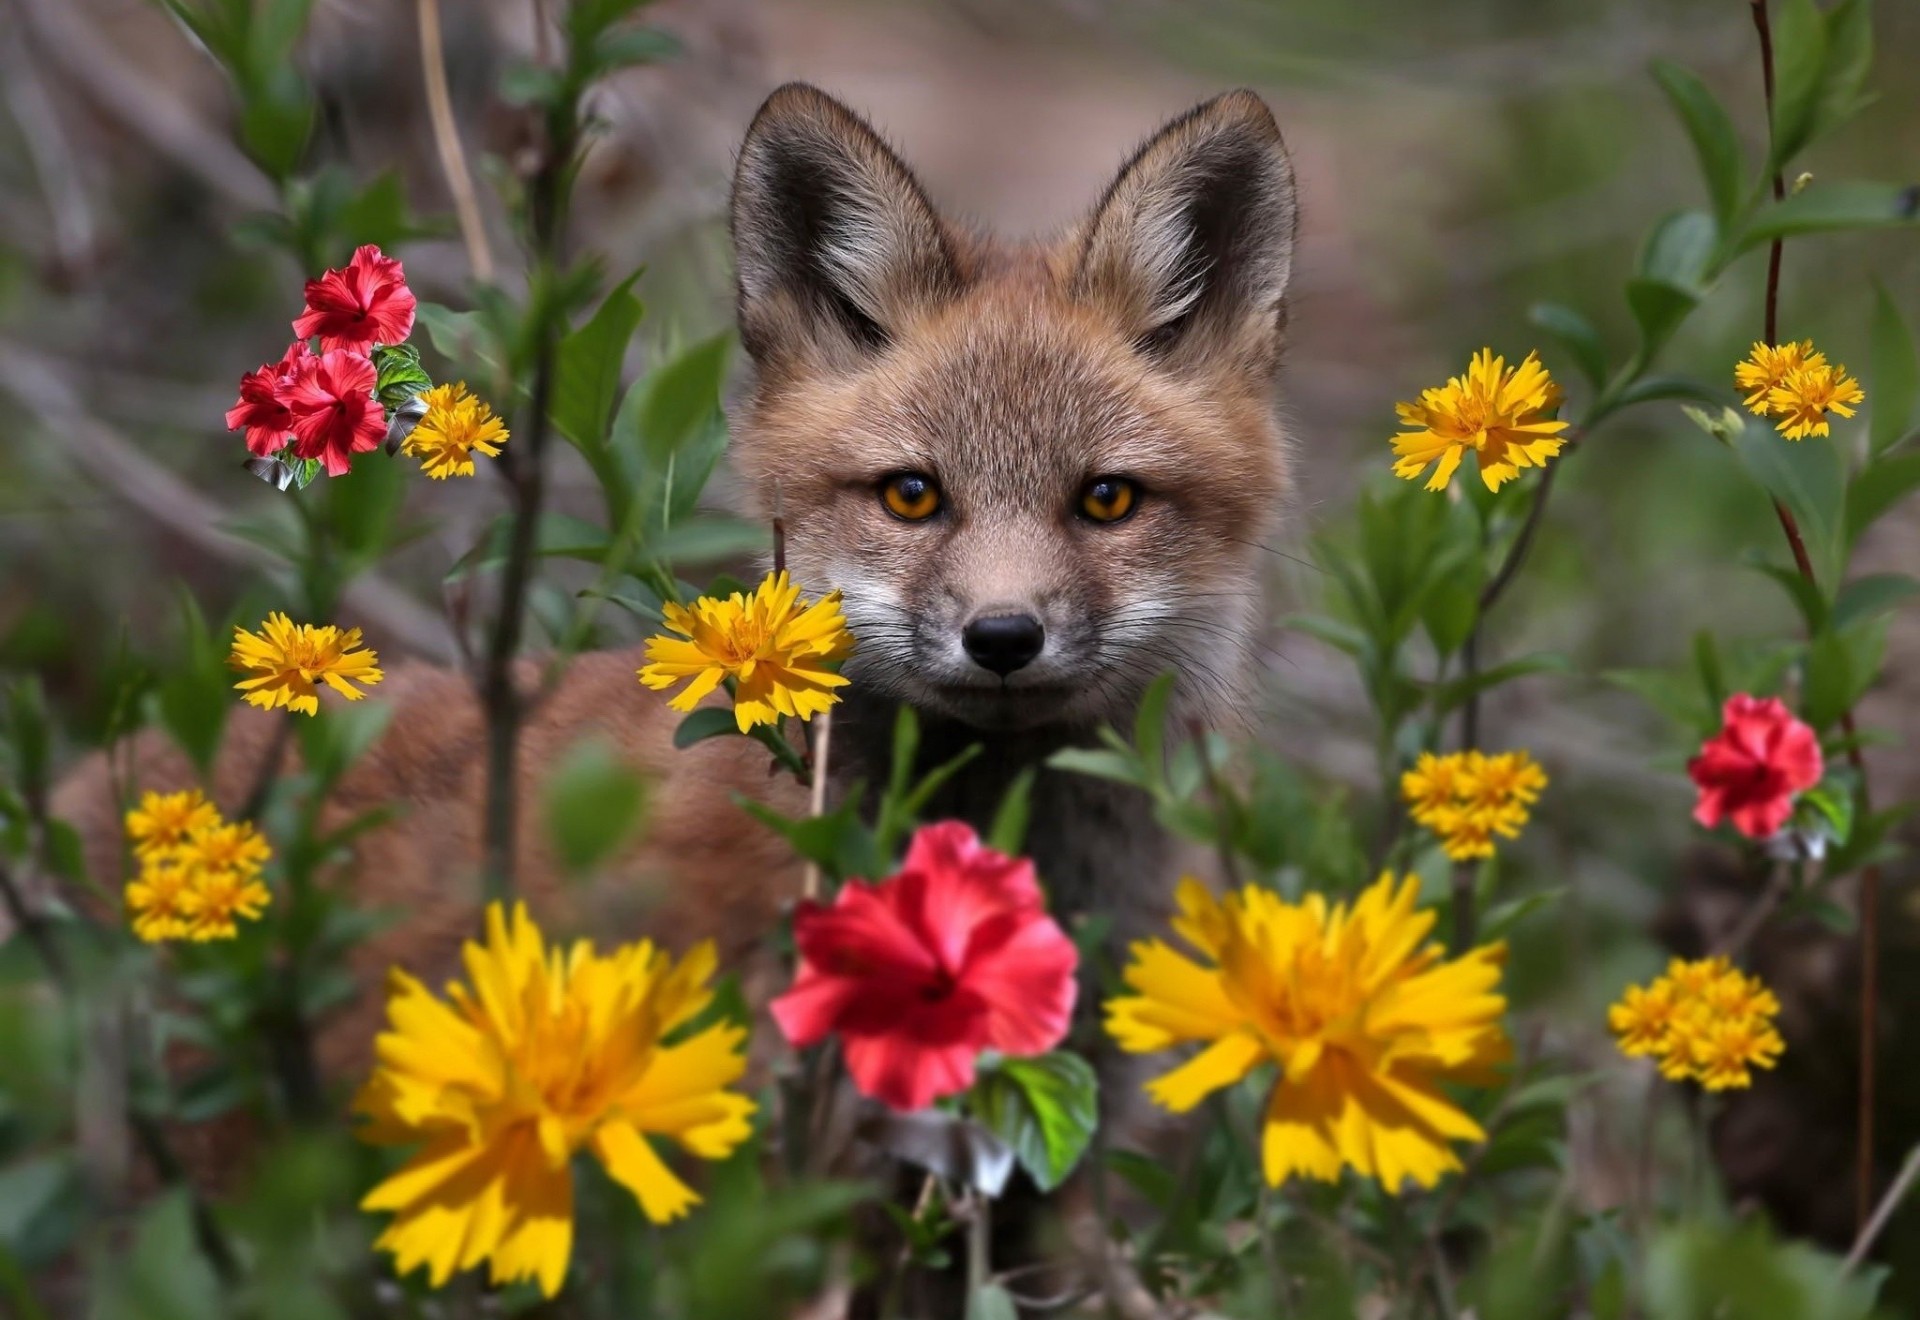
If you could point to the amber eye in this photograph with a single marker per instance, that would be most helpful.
(1108, 499)
(910, 495)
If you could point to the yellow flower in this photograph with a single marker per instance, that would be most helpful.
(1725, 1052)
(162, 820)
(773, 645)
(456, 425)
(1704, 1021)
(1766, 368)
(199, 874)
(1801, 402)
(1502, 414)
(219, 846)
(542, 1054)
(1509, 777)
(157, 900)
(1643, 1018)
(1466, 798)
(1365, 1020)
(217, 898)
(286, 661)
(1431, 786)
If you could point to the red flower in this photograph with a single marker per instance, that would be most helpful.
(334, 412)
(1750, 771)
(920, 973)
(262, 406)
(364, 303)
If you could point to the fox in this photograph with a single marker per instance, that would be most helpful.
(1039, 474)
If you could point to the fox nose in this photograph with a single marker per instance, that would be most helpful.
(1004, 642)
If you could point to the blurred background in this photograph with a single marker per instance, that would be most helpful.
(1458, 162)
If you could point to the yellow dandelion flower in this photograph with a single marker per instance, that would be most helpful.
(456, 426)
(1508, 778)
(1365, 1020)
(286, 661)
(1644, 1018)
(1726, 1050)
(1704, 1021)
(223, 846)
(217, 899)
(163, 820)
(1502, 414)
(1766, 368)
(157, 901)
(1431, 786)
(1468, 798)
(774, 645)
(1801, 402)
(543, 1054)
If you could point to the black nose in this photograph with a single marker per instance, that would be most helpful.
(1004, 642)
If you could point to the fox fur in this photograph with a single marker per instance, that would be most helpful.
(1144, 343)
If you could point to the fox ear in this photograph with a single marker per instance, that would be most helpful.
(1192, 243)
(834, 240)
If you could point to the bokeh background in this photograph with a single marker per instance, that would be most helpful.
(1459, 160)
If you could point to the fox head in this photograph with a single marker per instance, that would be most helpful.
(1039, 474)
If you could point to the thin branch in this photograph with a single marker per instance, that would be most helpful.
(446, 141)
(1870, 1231)
(501, 701)
(1870, 877)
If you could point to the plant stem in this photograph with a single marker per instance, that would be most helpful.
(502, 702)
(1870, 877)
(1870, 1231)
(446, 141)
(1464, 916)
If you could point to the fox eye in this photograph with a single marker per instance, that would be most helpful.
(1108, 499)
(911, 496)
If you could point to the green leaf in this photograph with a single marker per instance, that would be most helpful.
(1894, 369)
(1799, 67)
(1454, 694)
(593, 805)
(558, 536)
(1712, 134)
(1806, 476)
(1823, 207)
(1847, 62)
(196, 696)
(674, 403)
(1878, 487)
(708, 539)
(1706, 663)
(1658, 308)
(398, 374)
(1576, 334)
(1841, 666)
(1008, 833)
(586, 379)
(1670, 276)
(629, 46)
(1870, 597)
(704, 723)
(1101, 763)
(1045, 1107)
(1150, 726)
(163, 1276)
(1680, 250)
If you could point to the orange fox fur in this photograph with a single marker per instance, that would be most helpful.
(1143, 344)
